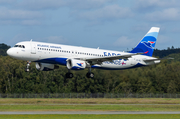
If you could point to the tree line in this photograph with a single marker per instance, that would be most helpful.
(160, 78)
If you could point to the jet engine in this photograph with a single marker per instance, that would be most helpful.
(74, 64)
(46, 67)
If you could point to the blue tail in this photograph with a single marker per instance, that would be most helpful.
(147, 44)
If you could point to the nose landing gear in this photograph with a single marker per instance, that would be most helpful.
(28, 64)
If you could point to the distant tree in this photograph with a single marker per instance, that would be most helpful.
(3, 49)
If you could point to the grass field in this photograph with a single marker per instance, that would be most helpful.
(54, 104)
(90, 108)
(90, 101)
(138, 104)
(132, 116)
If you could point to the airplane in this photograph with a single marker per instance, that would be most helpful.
(48, 56)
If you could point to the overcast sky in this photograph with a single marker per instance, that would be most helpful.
(108, 24)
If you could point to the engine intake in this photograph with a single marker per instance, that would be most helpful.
(74, 64)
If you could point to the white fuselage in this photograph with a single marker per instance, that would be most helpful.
(58, 54)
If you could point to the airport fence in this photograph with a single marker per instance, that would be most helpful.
(90, 95)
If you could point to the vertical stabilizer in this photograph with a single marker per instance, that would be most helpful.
(147, 44)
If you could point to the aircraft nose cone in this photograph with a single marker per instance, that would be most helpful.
(10, 52)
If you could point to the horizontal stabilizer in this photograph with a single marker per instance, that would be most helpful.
(150, 60)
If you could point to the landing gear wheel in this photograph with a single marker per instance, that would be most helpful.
(90, 75)
(69, 75)
(28, 64)
(26, 70)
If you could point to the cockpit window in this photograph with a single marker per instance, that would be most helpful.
(20, 46)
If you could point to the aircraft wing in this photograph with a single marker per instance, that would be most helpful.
(99, 60)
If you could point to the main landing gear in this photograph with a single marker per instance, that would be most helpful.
(28, 64)
(69, 74)
(88, 75)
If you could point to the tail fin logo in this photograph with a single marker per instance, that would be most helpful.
(149, 44)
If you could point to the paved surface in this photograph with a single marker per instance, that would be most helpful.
(89, 104)
(87, 112)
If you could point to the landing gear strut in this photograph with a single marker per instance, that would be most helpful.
(28, 64)
(69, 74)
(90, 74)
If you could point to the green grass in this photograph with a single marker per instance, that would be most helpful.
(52, 104)
(78, 116)
(90, 108)
(90, 101)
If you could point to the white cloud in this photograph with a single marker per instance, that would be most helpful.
(87, 4)
(163, 39)
(170, 14)
(17, 38)
(53, 39)
(110, 12)
(158, 4)
(55, 4)
(41, 4)
(31, 22)
(32, 11)
(124, 42)
(24, 17)
(6, 14)
(7, 1)
(56, 39)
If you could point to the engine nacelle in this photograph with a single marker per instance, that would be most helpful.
(74, 64)
(46, 67)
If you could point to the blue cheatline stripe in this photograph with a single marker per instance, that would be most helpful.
(61, 61)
